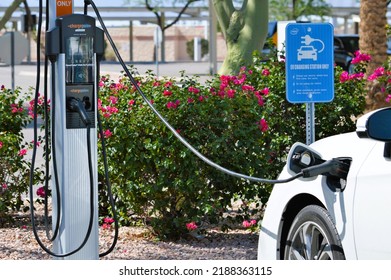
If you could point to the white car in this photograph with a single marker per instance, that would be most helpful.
(342, 209)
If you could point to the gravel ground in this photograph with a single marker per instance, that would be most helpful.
(17, 242)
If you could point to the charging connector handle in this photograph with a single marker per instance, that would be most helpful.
(331, 167)
(76, 105)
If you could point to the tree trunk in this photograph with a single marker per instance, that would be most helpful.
(244, 30)
(373, 37)
(373, 40)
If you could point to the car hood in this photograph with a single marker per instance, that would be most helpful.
(344, 145)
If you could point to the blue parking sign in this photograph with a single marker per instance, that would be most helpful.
(309, 62)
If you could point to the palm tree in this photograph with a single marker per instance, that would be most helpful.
(373, 40)
(372, 29)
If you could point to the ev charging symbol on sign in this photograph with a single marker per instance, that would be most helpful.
(309, 62)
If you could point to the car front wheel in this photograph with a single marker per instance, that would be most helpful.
(313, 236)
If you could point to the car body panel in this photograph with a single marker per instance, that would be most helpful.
(372, 207)
(340, 205)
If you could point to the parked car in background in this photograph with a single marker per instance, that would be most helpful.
(344, 48)
(340, 206)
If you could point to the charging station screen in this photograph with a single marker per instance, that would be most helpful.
(79, 60)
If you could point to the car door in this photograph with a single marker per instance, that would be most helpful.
(372, 207)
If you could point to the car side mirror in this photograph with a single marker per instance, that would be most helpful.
(302, 156)
(377, 125)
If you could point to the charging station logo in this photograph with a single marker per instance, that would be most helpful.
(79, 91)
(79, 27)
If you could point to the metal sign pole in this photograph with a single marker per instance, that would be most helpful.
(310, 122)
(13, 60)
(309, 68)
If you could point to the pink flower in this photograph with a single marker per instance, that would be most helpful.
(261, 102)
(107, 133)
(250, 223)
(16, 109)
(1, 144)
(344, 77)
(168, 84)
(113, 100)
(247, 88)
(167, 92)
(41, 192)
(360, 57)
(191, 226)
(241, 80)
(193, 90)
(190, 100)
(36, 143)
(388, 99)
(23, 227)
(265, 72)
(4, 186)
(108, 111)
(263, 126)
(2, 87)
(22, 152)
(106, 226)
(357, 76)
(108, 220)
(173, 105)
(376, 74)
(265, 91)
(231, 93)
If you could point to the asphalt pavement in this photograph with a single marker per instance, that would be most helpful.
(25, 74)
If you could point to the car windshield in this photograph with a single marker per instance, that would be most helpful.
(350, 43)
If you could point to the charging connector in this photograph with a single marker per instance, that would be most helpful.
(76, 105)
(336, 167)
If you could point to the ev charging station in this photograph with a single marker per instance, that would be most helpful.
(74, 46)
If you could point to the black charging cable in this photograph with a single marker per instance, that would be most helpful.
(168, 125)
(105, 167)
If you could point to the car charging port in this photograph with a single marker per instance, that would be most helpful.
(336, 170)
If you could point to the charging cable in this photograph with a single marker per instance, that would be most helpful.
(168, 125)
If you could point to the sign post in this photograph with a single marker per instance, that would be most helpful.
(309, 67)
(13, 49)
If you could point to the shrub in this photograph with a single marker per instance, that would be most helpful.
(14, 168)
(242, 122)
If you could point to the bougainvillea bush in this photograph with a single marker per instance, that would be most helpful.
(242, 123)
(14, 168)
